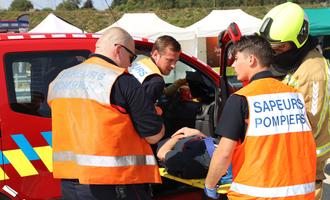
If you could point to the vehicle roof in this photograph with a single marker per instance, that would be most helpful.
(40, 36)
(27, 36)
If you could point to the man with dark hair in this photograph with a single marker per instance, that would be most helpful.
(150, 71)
(265, 133)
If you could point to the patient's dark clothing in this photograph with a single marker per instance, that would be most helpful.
(188, 159)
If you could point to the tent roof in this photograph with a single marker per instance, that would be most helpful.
(318, 20)
(149, 25)
(219, 20)
(53, 24)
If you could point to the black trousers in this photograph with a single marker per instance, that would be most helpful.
(72, 190)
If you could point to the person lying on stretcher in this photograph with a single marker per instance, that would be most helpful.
(187, 154)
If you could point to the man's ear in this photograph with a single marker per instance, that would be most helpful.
(154, 54)
(116, 50)
(253, 61)
(115, 53)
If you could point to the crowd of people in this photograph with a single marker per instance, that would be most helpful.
(103, 128)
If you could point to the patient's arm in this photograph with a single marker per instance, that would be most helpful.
(189, 132)
(178, 135)
(167, 146)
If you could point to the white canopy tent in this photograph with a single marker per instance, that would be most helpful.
(217, 21)
(53, 24)
(149, 25)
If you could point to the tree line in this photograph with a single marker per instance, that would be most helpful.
(26, 5)
(168, 4)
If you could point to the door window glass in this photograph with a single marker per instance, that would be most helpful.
(29, 74)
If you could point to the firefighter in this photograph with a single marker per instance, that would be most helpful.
(103, 125)
(150, 71)
(286, 27)
(265, 133)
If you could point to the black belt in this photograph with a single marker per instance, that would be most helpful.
(71, 180)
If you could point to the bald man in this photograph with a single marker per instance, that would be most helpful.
(103, 124)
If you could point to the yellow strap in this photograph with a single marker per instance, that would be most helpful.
(199, 183)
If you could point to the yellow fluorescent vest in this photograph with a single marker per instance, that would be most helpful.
(92, 141)
(277, 158)
(144, 68)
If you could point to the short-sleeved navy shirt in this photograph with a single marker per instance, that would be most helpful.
(154, 86)
(128, 94)
(232, 123)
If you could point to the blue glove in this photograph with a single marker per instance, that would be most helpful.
(228, 177)
(211, 192)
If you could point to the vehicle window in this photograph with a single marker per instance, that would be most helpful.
(178, 73)
(232, 78)
(29, 74)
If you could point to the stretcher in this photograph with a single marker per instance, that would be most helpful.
(199, 183)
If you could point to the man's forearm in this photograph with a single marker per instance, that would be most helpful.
(155, 138)
(220, 162)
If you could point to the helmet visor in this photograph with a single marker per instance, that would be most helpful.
(281, 47)
(265, 29)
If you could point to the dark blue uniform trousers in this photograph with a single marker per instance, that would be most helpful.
(72, 190)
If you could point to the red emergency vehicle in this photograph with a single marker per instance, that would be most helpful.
(21, 24)
(29, 62)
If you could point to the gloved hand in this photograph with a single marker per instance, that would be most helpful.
(211, 192)
(180, 82)
(171, 89)
(228, 177)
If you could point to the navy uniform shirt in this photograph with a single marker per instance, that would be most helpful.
(154, 87)
(232, 123)
(128, 94)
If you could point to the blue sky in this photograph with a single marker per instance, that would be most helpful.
(40, 4)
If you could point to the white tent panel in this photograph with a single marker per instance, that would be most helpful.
(219, 20)
(188, 46)
(149, 25)
(53, 24)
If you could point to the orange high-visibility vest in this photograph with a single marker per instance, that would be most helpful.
(144, 68)
(92, 141)
(277, 159)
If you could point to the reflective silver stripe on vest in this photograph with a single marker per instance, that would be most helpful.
(320, 151)
(63, 156)
(105, 161)
(273, 192)
(325, 106)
